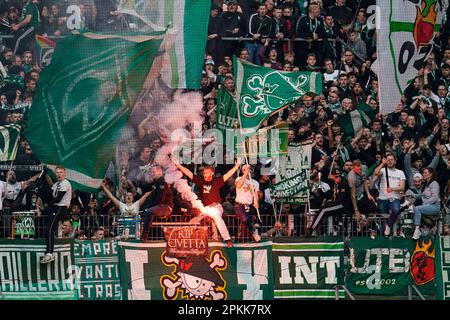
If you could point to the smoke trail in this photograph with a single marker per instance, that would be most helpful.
(185, 109)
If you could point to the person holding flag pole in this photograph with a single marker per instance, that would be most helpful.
(246, 198)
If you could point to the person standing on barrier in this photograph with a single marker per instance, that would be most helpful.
(340, 202)
(57, 208)
(362, 200)
(26, 29)
(431, 201)
(392, 186)
(247, 198)
(210, 195)
(160, 203)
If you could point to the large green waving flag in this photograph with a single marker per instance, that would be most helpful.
(262, 91)
(9, 141)
(188, 22)
(84, 99)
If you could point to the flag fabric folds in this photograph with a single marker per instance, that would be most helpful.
(405, 40)
(262, 91)
(188, 24)
(84, 99)
(9, 141)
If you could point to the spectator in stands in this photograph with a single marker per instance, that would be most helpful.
(26, 29)
(392, 187)
(129, 207)
(160, 202)
(431, 202)
(216, 30)
(234, 26)
(247, 200)
(209, 188)
(260, 28)
(342, 14)
(311, 28)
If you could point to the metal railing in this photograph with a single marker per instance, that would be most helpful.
(27, 225)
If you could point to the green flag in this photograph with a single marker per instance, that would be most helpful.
(84, 99)
(353, 121)
(262, 91)
(9, 141)
(188, 22)
(226, 115)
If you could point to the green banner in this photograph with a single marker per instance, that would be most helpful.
(443, 268)
(226, 115)
(84, 100)
(387, 267)
(308, 268)
(262, 91)
(97, 270)
(293, 175)
(243, 272)
(22, 277)
(9, 141)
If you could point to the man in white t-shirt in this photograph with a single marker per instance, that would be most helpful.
(57, 208)
(247, 198)
(392, 185)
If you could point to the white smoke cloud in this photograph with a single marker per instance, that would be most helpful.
(185, 109)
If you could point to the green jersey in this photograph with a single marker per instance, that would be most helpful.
(31, 9)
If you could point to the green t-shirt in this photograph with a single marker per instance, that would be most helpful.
(31, 9)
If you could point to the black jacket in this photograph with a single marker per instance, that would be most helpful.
(261, 25)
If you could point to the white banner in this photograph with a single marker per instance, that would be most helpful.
(405, 39)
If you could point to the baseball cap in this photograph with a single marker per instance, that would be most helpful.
(336, 171)
(417, 176)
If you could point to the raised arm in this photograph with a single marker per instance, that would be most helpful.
(188, 173)
(144, 198)
(227, 175)
(111, 196)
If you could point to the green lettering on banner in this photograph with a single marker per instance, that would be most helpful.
(240, 273)
(22, 277)
(97, 270)
(388, 266)
(443, 268)
(293, 175)
(308, 268)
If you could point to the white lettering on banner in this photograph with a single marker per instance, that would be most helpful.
(109, 247)
(74, 20)
(331, 263)
(399, 260)
(285, 277)
(374, 281)
(18, 273)
(301, 266)
(253, 279)
(308, 269)
(137, 259)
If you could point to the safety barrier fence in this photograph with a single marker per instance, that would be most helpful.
(30, 225)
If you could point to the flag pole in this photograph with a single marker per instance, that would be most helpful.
(238, 95)
(334, 158)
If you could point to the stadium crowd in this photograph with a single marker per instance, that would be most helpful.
(398, 162)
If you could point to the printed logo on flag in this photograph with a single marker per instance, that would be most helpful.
(422, 262)
(411, 36)
(195, 278)
(269, 93)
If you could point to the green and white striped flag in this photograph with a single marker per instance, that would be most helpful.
(352, 122)
(262, 91)
(9, 141)
(188, 29)
(84, 99)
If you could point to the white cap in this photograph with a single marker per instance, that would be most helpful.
(417, 176)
